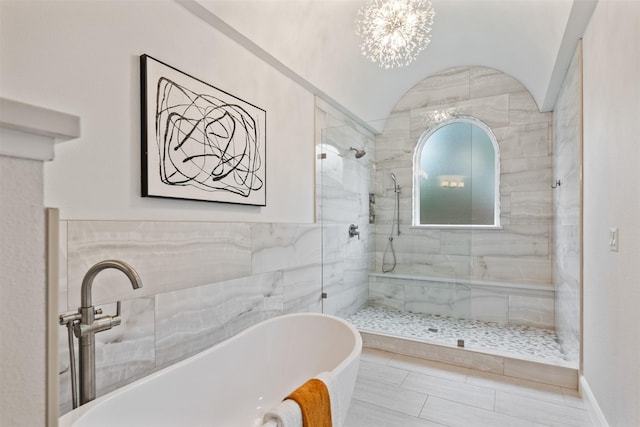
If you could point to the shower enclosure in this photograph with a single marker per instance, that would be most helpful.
(506, 271)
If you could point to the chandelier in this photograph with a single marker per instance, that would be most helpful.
(394, 32)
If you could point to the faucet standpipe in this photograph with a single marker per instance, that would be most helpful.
(85, 325)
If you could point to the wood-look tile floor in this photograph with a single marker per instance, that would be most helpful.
(400, 391)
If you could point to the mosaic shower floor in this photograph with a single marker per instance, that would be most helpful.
(510, 340)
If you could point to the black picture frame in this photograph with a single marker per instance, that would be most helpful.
(199, 142)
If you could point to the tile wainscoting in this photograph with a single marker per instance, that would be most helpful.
(515, 304)
(203, 282)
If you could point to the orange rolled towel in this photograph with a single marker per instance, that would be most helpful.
(315, 404)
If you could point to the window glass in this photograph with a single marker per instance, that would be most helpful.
(456, 175)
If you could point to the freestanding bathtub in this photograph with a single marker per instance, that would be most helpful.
(233, 383)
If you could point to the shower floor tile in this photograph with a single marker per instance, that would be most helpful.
(527, 342)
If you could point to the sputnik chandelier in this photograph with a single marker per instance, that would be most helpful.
(394, 32)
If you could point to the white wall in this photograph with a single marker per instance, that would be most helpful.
(22, 292)
(82, 57)
(612, 198)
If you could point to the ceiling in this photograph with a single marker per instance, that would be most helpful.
(314, 42)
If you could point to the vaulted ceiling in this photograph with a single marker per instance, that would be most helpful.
(314, 42)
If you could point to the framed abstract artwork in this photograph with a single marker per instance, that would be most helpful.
(199, 142)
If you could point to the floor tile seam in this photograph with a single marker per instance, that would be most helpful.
(559, 406)
(472, 408)
(452, 383)
(495, 412)
(395, 411)
(449, 399)
(530, 393)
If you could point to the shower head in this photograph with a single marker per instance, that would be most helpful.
(393, 177)
(359, 152)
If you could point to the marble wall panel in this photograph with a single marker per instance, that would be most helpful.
(530, 140)
(523, 109)
(488, 82)
(528, 174)
(445, 299)
(188, 321)
(514, 240)
(175, 314)
(386, 293)
(531, 207)
(465, 299)
(335, 237)
(166, 255)
(281, 246)
(489, 306)
(532, 310)
(449, 86)
(512, 269)
(493, 110)
(303, 289)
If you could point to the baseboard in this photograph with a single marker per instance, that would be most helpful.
(597, 417)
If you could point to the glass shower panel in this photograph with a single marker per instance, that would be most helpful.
(344, 170)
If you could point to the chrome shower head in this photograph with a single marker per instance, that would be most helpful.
(359, 152)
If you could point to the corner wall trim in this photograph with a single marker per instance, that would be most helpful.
(595, 413)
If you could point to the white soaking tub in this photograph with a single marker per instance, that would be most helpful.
(233, 383)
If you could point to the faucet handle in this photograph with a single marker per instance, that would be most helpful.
(117, 320)
(67, 318)
(100, 324)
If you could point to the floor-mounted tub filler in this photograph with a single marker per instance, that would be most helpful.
(234, 383)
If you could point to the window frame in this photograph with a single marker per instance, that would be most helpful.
(417, 154)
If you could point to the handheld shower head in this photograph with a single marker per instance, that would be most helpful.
(396, 187)
(359, 152)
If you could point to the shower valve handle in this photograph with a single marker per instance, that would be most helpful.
(353, 231)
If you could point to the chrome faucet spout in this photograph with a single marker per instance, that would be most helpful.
(87, 281)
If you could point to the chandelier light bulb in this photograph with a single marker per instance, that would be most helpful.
(394, 32)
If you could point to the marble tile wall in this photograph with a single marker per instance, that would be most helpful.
(518, 253)
(203, 282)
(528, 305)
(343, 184)
(567, 204)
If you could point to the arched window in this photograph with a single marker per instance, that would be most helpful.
(456, 179)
